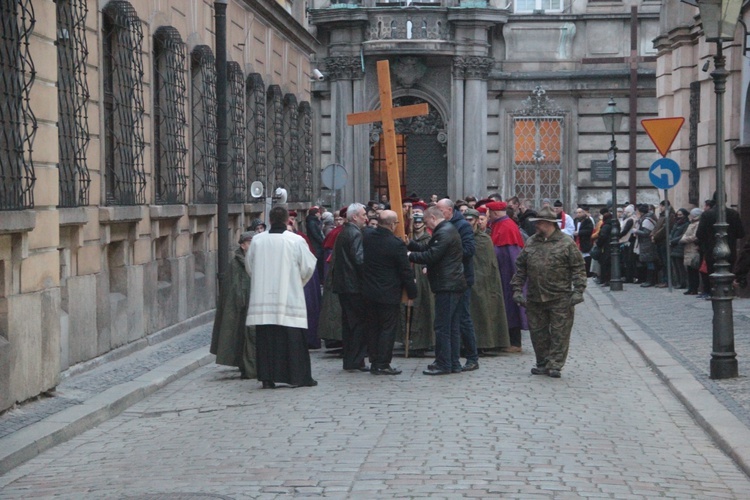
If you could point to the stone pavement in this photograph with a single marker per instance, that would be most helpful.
(610, 428)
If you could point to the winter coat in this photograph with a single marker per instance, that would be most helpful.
(386, 269)
(443, 255)
(645, 248)
(467, 244)
(677, 249)
(691, 251)
(707, 235)
(348, 259)
(585, 230)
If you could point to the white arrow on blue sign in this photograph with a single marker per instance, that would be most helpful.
(664, 173)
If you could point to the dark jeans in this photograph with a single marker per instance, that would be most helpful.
(353, 329)
(468, 336)
(382, 323)
(694, 279)
(448, 330)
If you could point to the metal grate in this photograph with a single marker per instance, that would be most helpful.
(203, 69)
(695, 117)
(72, 100)
(306, 150)
(538, 150)
(291, 172)
(17, 121)
(275, 137)
(236, 103)
(123, 105)
(256, 129)
(170, 94)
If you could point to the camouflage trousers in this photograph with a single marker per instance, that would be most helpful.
(550, 324)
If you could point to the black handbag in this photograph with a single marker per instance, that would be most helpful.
(596, 252)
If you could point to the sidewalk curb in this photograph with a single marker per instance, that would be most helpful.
(29, 442)
(729, 433)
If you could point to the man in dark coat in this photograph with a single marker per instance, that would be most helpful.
(443, 255)
(231, 341)
(386, 272)
(314, 231)
(348, 261)
(468, 336)
(422, 314)
(706, 234)
(584, 229)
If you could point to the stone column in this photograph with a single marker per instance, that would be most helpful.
(473, 172)
(456, 143)
(348, 146)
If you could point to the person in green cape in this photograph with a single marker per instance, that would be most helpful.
(487, 305)
(231, 341)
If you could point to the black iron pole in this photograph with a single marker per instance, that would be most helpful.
(615, 280)
(723, 357)
(220, 23)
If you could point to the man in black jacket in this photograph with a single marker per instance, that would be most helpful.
(443, 256)
(468, 335)
(706, 234)
(314, 230)
(386, 272)
(348, 261)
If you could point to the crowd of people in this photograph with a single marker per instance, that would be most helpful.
(466, 279)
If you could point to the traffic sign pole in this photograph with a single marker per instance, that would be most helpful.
(666, 229)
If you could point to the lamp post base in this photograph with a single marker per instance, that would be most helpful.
(723, 366)
(615, 285)
(723, 356)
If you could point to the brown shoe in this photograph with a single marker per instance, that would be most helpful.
(512, 349)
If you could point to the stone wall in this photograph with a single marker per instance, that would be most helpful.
(79, 281)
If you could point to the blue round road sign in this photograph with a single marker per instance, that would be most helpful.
(664, 173)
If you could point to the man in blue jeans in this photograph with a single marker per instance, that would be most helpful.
(443, 256)
(469, 247)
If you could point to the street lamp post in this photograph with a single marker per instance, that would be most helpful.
(612, 117)
(719, 19)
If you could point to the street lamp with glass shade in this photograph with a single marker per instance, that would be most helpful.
(612, 117)
(719, 20)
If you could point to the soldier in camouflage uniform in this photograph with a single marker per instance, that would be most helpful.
(553, 268)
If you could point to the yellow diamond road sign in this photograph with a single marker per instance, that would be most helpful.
(663, 131)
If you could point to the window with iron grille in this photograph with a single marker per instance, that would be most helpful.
(538, 150)
(256, 129)
(170, 94)
(17, 121)
(236, 103)
(72, 100)
(203, 78)
(125, 177)
(291, 175)
(306, 151)
(275, 137)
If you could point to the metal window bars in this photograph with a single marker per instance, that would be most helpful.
(275, 137)
(306, 149)
(292, 166)
(236, 103)
(72, 101)
(255, 129)
(125, 176)
(203, 69)
(17, 121)
(170, 94)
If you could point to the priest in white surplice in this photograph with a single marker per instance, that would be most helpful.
(280, 263)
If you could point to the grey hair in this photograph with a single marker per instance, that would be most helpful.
(352, 210)
(447, 202)
(434, 211)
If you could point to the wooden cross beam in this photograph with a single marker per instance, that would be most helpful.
(386, 115)
(633, 59)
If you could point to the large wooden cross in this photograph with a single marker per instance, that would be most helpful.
(386, 114)
(633, 59)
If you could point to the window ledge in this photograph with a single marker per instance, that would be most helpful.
(73, 216)
(202, 210)
(20, 221)
(114, 215)
(158, 212)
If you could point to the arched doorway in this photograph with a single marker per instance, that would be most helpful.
(422, 159)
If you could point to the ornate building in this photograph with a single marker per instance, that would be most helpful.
(108, 166)
(515, 90)
(684, 65)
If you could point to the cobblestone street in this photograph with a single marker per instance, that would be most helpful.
(608, 429)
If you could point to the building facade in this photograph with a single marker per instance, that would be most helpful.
(515, 89)
(108, 166)
(685, 88)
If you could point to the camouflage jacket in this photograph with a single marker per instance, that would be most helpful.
(552, 268)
